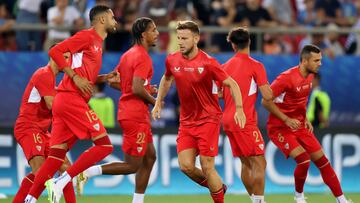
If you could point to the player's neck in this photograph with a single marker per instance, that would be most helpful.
(303, 71)
(101, 31)
(53, 68)
(243, 51)
(192, 54)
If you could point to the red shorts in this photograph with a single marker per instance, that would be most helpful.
(246, 142)
(73, 119)
(33, 141)
(136, 137)
(204, 138)
(287, 140)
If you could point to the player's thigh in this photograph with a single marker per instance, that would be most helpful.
(185, 140)
(309, 142)
(285, 140)
(187, 158)
(77, 116)
(36, 162)
(136, 137)
(248, 141)
(61, 135)
(33, 141)
(207, 137)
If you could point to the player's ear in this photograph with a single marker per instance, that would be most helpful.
(196, 38)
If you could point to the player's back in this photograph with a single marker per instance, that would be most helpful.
(33, 108)
(136, 62)
(248, 74)
(291, 90)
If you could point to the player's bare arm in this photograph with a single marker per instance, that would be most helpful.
(165, 84)
(308, 125)
(272, 108)
(49, 101)
(83, 84)
(239, 116)
(266, 92)
(113, 75)
(139, 90)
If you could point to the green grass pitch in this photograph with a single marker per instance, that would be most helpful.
(312, 198)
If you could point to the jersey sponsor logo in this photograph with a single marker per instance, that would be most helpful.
(38, 147)
(200, 69)
(176, 69)
(96, 126)
(189, 69)
(139, 149)
(96, 48)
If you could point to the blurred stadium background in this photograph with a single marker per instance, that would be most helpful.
(279, 27)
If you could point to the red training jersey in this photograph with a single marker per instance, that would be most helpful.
(136, 62)
(291, 90)
(248, 74)
(33, 109)
(196, 85)
(86, 58)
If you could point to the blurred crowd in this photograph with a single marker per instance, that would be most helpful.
(331, 14)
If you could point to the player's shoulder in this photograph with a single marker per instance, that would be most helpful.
(207, 59)
(42, 73)
(173, 56)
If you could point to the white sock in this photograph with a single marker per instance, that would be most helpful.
(62, 180)
(93, 171)
(138, 198)
(341, 199)
(251, 197)
(258, 199)
(30, 199)
(299, 195)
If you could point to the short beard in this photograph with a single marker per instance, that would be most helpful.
(111, 30)
(188, 51)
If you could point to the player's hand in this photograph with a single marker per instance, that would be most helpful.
(156, 111)
(309, 126)
(294, 124)
(240, 118)
(153, 89)
(83, 84)
(113, 77)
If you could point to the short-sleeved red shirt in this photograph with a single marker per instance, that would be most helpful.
(291, 90)
(249, 74)
(196, 85)
(33, 109)
(86, 58)
(136, 62)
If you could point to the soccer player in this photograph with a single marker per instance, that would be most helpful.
(289, 129)
(72, 118)
(246, 143)
(135, 69)
(196, 74)
(32, 124)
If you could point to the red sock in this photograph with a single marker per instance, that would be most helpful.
(25, 186)
(47, 170)
(69, 193)
(301, 171)
(91, 156)
(203, 183)
(329, 176)
(218, 196)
